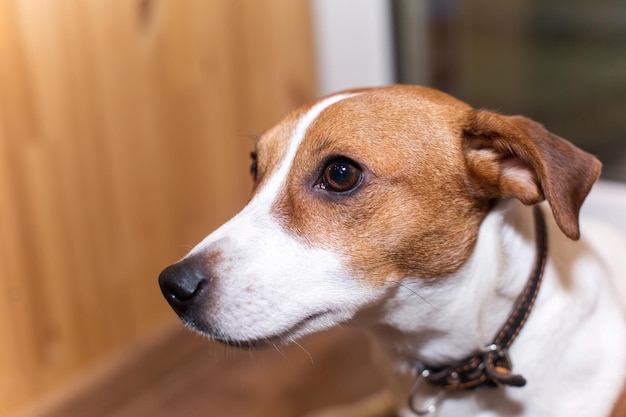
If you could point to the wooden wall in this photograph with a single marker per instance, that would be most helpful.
(125, 127)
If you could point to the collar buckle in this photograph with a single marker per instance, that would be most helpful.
(498, 367)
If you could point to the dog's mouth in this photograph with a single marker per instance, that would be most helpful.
(312, 323)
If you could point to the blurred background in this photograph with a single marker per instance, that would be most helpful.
(125, 129)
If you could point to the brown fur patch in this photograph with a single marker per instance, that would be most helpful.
(412, 214)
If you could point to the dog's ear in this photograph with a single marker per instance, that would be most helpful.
(512, 156)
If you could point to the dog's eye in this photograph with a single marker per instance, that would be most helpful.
(340, 176)
(253, 165)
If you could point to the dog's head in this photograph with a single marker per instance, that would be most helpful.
(358, 191)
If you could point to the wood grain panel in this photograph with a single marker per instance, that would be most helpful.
(124, 133)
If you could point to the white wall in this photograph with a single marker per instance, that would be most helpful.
(354, 46)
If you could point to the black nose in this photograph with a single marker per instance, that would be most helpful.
(182, 283)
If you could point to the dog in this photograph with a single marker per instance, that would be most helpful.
(451, 233)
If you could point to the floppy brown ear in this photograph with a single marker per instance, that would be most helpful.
(512, 156)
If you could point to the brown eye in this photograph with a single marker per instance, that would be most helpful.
(341, 176)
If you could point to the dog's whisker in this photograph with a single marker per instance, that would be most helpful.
(305, 351)
(228, 352)
(252, 356)
(401, 284)
(280, 351)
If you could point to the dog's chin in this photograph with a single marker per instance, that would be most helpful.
(313, 323)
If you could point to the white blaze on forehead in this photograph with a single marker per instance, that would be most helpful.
(279, 176)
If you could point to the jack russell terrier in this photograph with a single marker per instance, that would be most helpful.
(407, 211)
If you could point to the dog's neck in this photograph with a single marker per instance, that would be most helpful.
(442, 321)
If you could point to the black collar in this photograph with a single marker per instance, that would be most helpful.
(492, 367)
